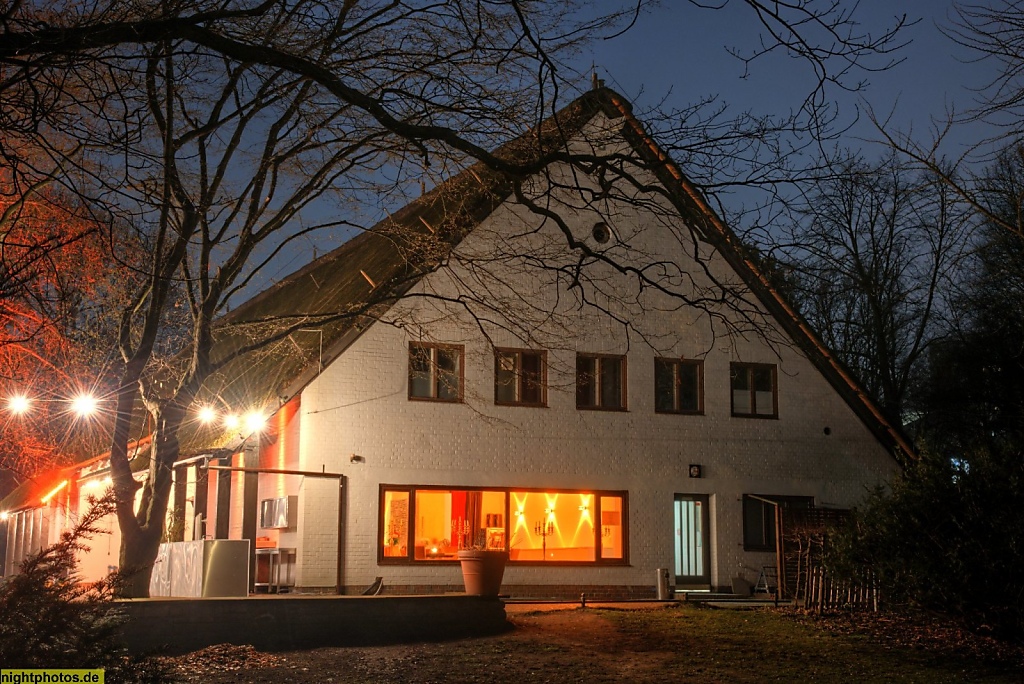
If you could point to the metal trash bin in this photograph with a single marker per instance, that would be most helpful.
(664, 590)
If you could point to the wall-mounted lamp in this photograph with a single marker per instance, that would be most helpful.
(695, 470)
(356, 458)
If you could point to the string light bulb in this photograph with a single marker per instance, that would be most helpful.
(19, 404)
(84, 405)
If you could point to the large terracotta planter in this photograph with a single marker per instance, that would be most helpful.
(482, 571)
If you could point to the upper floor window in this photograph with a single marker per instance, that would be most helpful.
(678, 386)
(435, 372)
(600, 382)
(519, 377)
(754, 391)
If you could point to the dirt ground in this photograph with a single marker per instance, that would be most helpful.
(633, 643)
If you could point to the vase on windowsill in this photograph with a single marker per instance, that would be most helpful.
(482, 571)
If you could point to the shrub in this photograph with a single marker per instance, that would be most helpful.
(51, 619)
(947, 537)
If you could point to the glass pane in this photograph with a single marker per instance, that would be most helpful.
(448, 375)
(611, 527)
(449, 520)
(396, 524)
(492, 512)
(664, 386)
(611, 383)
(740, 378)
(552, 526)
(433, 530)
(505, 378)
(420, 384)
(764, 397)
(586, 385)
(741, 390)
(754, 523)
(532, 376)
(762, 379)
(689, 387)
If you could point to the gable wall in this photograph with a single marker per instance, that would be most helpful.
(359, 405)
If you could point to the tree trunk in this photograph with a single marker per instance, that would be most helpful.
(140, 542)
(138, 553)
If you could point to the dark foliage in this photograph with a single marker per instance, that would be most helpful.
(949, 536)
(51, 619)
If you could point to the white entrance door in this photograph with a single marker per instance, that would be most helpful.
(691, 525)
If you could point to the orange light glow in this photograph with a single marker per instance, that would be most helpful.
(585, 520)
(53, 492)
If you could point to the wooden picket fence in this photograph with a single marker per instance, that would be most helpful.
(803, 579)
(824, 594)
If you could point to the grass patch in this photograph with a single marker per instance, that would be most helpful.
(765, 645)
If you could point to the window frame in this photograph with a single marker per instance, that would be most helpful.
(749, 369)
(676, 364)
(435, 376)
(767, 502)
(411, 489)
(623, 384)
(521, 379)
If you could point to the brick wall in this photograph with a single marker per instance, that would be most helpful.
(359, 406)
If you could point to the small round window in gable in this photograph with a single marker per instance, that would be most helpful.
(601, 233)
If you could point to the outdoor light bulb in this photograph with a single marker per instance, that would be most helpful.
(3, 515)
(255, 421)
(207, 414)
(231, 422)
(19, 404)
(84, 405)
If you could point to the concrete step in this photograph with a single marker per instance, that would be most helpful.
(724, 597)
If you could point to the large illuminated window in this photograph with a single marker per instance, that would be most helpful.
(430, 524)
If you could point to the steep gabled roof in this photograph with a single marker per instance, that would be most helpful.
(366, 275)
(339, 294)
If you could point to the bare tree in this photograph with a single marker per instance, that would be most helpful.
(874, 255)
(223, 133)
(994, 33)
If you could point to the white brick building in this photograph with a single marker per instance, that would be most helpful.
(462, 379)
